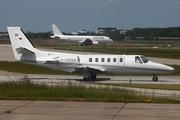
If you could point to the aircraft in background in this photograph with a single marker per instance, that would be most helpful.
(82, 40)
(87, 65)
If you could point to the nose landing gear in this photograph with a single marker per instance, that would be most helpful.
(155, 78)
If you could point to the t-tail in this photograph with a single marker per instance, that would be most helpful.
(22, 47)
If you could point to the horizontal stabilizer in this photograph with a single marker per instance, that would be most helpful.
(22, 50)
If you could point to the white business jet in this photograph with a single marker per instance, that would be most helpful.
(87, 65)
(83, 40)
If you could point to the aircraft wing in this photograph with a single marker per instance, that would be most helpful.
(86, 42)
(90, 68)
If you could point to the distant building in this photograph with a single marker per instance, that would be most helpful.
(74, 33)
(4, 34)
(105, 30)
(168, 38)
(127, 38)
(123, 32)
(82, 32)
(79, 32)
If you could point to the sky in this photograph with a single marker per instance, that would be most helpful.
(74, 15)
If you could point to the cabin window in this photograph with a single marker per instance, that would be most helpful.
(108, 59)
(90, 59)
(137, 59)
(96, 59)
(114, 59)
(78, 59)
(102, 59)
(121, 60)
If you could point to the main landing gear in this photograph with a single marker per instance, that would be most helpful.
(91, 76)
(155, 78)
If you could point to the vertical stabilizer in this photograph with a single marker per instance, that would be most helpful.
(22, 47)
(56, 31)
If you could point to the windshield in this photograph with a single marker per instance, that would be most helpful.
(138, 60)
(144, 59)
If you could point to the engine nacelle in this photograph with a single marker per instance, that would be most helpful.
(88, 42)
(95, 42)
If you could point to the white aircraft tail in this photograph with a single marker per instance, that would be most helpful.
(22, 47)
(56, 31)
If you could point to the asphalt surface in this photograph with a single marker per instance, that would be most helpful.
(55, 110)
(100, 79)
(60, 110)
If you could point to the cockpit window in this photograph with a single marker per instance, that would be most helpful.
(137, 59)
(144, 59)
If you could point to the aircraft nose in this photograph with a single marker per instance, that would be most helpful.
(162, 68)
(168, 68)
(171, 69)
(52, 36)
(111, 40)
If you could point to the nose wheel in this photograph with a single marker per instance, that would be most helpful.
(155, 78)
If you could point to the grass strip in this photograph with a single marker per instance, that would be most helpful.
(175, 87)
(24, 89)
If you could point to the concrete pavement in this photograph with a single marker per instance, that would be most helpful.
(60, 110)
(6, 76)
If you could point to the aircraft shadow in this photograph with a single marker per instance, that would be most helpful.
(97, 80)
(80, 80)
(103, 79)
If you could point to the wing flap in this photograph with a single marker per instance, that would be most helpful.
(91, 68)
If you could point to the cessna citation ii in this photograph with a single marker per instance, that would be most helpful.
(87, 65)
(83, 40)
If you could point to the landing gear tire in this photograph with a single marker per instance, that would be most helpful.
(93, 76)
(155, 78)
(87, 79)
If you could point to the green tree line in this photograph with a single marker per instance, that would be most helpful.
(40, 35)
(153, 33)
(134, 34)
